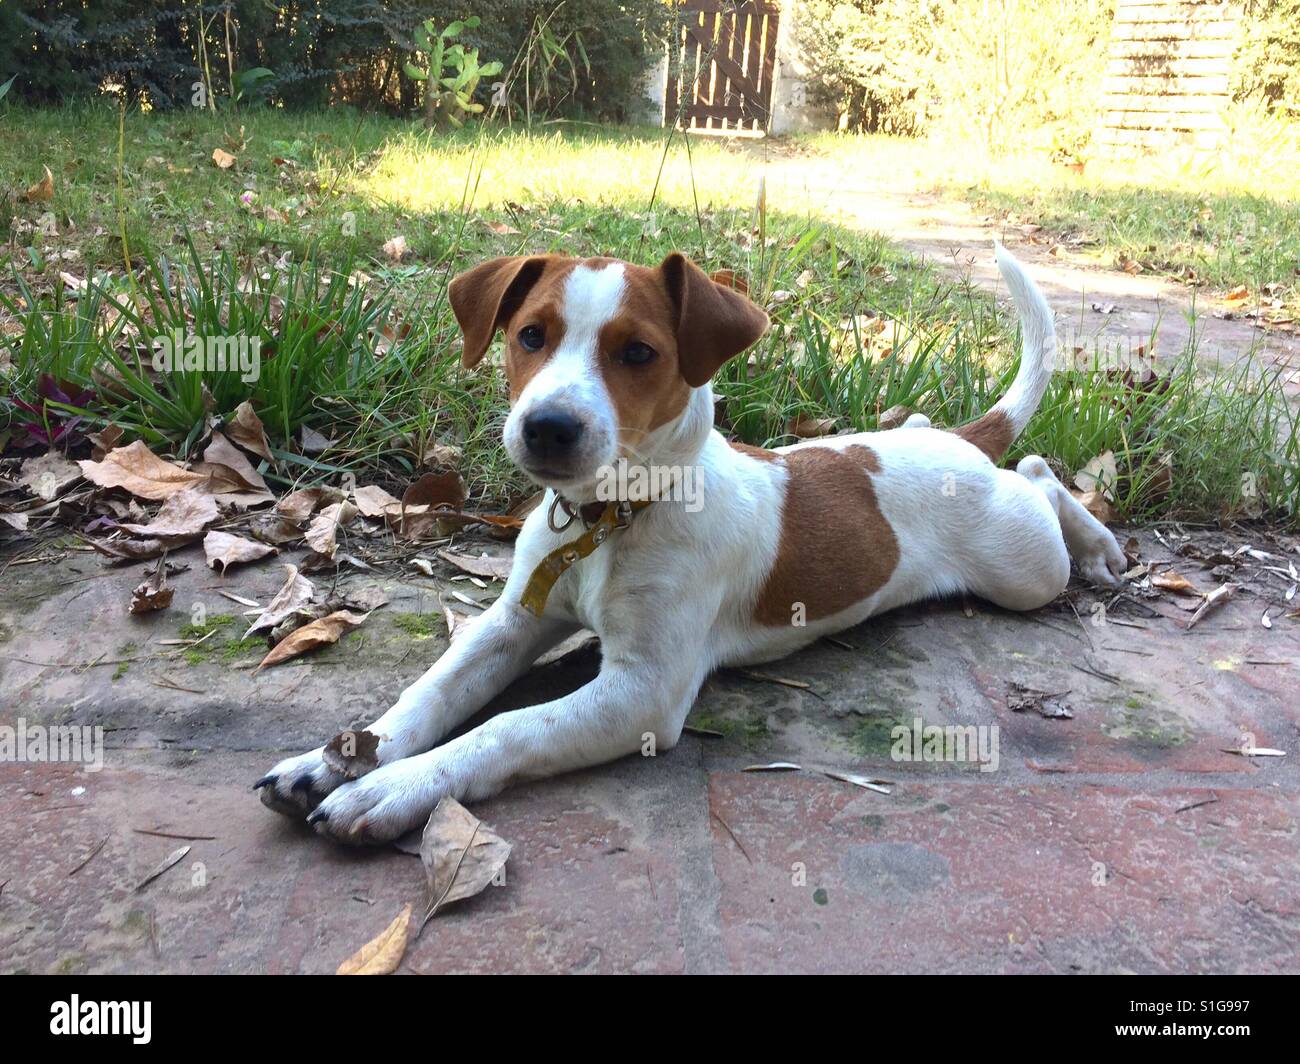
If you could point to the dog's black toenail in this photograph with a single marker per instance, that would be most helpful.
(317, 816)
(302, 783)
(265, 781)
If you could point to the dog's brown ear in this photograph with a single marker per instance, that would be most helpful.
(714, 321)
(484, 298)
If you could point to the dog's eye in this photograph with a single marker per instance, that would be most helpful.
(532, 337)
(637, 353)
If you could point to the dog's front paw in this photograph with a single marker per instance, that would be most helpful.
(297, 785)
(383, 805)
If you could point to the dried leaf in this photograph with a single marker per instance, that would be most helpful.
(395, 248)
(184, 516)
(858, 781)
(1100, 474)
(301, 504)
(227, 550)
(435, 489)
(383, 953)
(130, 550)
(48, 476)
(1176, 583)
(43, 190)
(141, 472)
(774, 766)
(296, 592)
(461, 856)
(245, 428)
(352, 753)
(153, 593)
(232, 477)
(312, 442)
(1096, 503)
(483, 565)
(322, 535)
(103, 442)
(1214, 599)
(374, 501)
(810, 427)
(166, 863)
(223, 159)
(1047, 704)
(324, 632)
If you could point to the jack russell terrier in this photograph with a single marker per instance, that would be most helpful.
(610, 364)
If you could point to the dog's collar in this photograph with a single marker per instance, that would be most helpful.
(612, 517)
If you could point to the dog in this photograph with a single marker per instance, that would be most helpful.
(608, 363)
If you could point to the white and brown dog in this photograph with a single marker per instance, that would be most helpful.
(610, 361)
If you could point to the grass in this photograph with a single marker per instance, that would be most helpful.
(287, 248)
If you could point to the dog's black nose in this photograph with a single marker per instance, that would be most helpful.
(551, 434)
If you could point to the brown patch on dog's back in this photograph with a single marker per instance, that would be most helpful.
(992, 433)
(836, 547)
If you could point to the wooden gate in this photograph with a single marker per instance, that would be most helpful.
(720, 75)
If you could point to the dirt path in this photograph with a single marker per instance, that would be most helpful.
(1096, 308)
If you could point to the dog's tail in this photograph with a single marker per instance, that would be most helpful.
(995, 431)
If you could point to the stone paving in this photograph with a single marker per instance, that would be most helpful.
(1124, 838)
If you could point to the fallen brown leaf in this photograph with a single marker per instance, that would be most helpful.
(461, 856)
(227, 550)
(301, 504)
(374, 501)
(383, 953)
(141, 472)
(322, 535)
(223, 159)
(1176, 583)
(395, 249)
(484, 565)
(352, 753)
(245, 428)
(48, 475)
(296, 592)
(1096, 503)
(232, 477)
(153, 593)
(43, 189)
(104, 441)
(810, 427)
(182, 517)
(324, 632)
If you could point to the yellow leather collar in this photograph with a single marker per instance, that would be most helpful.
(616, 515)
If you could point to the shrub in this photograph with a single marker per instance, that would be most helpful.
(319, 51)
(984, 68)
(1268, 62)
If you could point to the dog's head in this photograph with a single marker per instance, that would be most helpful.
(601, 355)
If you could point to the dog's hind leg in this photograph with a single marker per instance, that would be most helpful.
(496, 648)
(1090, 543)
